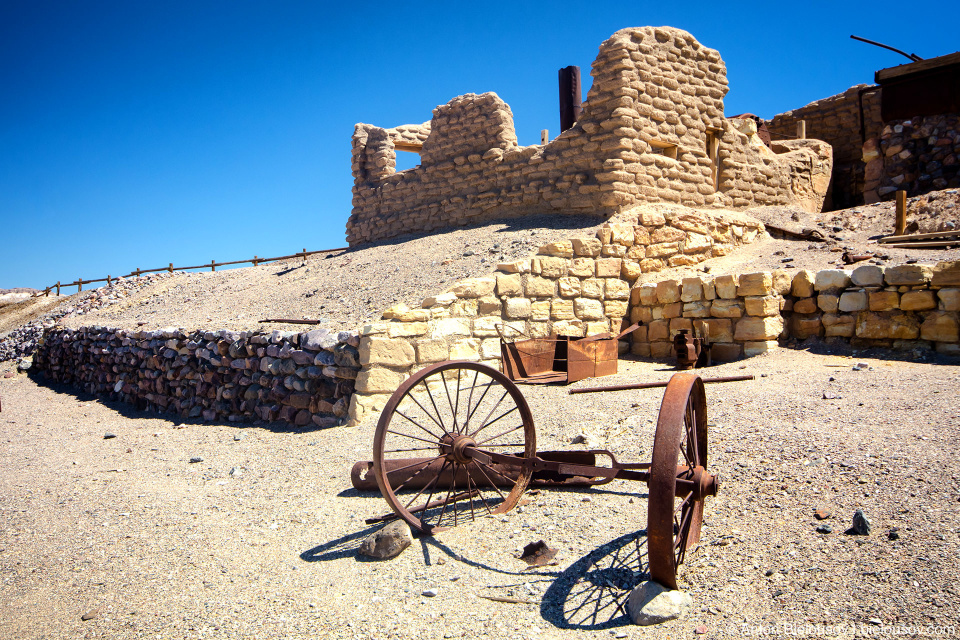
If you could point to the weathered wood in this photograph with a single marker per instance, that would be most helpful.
(920, 236)
(415, 147)
(901, 223)
(914, 67)
(544, 136)
(801, 129)
(926, 245)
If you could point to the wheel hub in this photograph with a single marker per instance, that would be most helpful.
(455, 447)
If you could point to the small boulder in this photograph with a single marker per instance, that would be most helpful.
(387, 542)
(652, 603)
(861, 524)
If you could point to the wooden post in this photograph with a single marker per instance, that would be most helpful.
(138, 272)
(58, 288)
(304, 255)
(108, 279)
(213, 265)
(79, 285)
(801, 129)
(544, 136)
(901, 226)
(254, 260)
(170, 268)
(571, 107)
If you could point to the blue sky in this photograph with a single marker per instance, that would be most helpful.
(133, 134)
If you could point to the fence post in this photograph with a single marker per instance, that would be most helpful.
(79, 285)
(138, 272)
(254, 260)
(544, 136)
(108, 279)
(213, 265)
(304, 255)
(58, 288)
(170, 268)
(901, 226)
(801, 129)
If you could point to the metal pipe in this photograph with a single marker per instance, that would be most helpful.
(654, 385)
(912, 56)
(570, 103)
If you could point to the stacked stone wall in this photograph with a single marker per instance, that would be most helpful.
(652, 130)
(918, 155)
(303, 379)
(576, 287)
(895, 307)
(836, 120)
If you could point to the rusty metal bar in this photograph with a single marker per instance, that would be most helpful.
(912, 56)
(291, 321)
(655, 385)
(901, 222)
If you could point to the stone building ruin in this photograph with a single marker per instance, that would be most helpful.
(652, 130)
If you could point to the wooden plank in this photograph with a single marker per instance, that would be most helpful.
(926, 245)
(920, 236)
(416, 147)
(901, 222)
(916, 67)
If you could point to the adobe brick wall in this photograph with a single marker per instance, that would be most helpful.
(652, 130)
(836, 120)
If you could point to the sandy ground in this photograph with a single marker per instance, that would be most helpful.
(258, 540)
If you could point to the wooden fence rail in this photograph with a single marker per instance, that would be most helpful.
(256, 260)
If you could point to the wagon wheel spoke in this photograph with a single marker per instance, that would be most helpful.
(460, 488)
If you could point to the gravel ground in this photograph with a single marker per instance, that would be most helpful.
(258, 540)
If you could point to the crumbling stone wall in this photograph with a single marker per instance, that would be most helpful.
(304, 379)
(747, 314)
(652, 130)
(575, 287)
(836, 120)
(919, 155)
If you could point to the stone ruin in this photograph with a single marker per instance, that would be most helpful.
(652, 130)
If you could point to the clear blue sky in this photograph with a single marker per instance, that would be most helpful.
(133, 134)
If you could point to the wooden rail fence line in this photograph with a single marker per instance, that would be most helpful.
(256, 260)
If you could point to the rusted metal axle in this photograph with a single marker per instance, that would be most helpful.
(654, 385)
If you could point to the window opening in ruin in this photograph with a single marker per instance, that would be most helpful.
(663, 148)
(713, 151)
(410, 158)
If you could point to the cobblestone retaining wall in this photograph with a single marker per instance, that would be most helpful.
(652, 130)
(899, 307)
(301, 378)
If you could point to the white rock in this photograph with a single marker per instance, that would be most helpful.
(652, 603)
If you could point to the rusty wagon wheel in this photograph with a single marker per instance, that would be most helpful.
(421, 451)
(678, 478)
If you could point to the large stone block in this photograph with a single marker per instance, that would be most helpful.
(661, 350)
(569, 328)
(828, 302)
(473, 287)
(540, 310)
(378, 380)
(561, 310)
(465, 349)
(751, 329)
(432, 351)
(867, 276)
(647, 294)
(586, 246)
(509, 285)
(918, 301)
(517, 308)
(672, 310)
(608, 268)
(562, 249)
(658, 330)
(887, 326)
(449, 327)
(630, 270)
(569, 287)
(782, 281)
(805, 305)
(852, 301)
(946, 274)
(538, 287)
(719, 329)
(726, 286)
(691, 290)
(755, 284)
(668, 291)
(726, 352)
(940, 326)
(592, 288)
(908, 274)
(762, 305)
(588, 309)
(407, 329)
(696, 309)
(386, 351)
(839, 325)
(755, 348)
(949, 299)
(884, 300)
(806, 326)
(582, 267)
(616, 289)
(803, 284)
(615, 308)
(442, 300)
(553, 267)
(831, 280)
(721, 308)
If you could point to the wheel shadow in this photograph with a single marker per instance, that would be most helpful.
(343, 547)
(591, 594)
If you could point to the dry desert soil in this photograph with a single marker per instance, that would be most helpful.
(125, 537)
